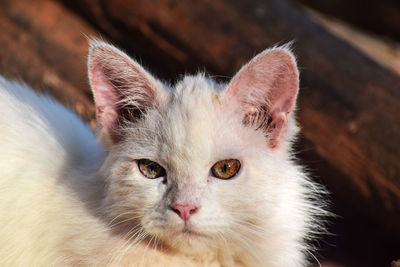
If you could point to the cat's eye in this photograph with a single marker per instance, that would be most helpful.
(150, 169)
(226, 169)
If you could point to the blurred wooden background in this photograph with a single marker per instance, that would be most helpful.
(349, 105)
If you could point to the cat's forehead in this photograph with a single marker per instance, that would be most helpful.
(193, 113)
(196, 90)
(195, 96)
(192, 131)
(195, 125)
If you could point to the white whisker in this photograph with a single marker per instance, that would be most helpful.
(120, 251)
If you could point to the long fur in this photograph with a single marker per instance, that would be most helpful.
(67, 200)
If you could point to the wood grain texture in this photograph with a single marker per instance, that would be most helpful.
(44, 45)
(380, 17)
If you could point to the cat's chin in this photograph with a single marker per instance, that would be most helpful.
(188, 234)
(184, 233)
(189, 242)
(184, 238)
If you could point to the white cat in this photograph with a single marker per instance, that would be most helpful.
(199, 174)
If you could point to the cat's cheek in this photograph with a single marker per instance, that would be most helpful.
(158, 217)
(161, 223)
(238, 197)
(161, 186)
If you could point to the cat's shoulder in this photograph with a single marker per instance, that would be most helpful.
(20, 101)
(35, 124)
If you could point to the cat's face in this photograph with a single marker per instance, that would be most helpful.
(198, 164)
(194, 132)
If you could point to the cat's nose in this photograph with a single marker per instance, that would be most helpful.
(184, 210)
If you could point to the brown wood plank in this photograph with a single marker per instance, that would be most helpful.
(44, 45)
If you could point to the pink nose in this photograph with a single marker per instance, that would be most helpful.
(184, 210)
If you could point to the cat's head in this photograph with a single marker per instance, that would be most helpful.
(199, 163)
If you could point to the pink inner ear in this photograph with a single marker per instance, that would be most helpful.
(283, 92)
(106, 97)
(268, 82)
(123, 90)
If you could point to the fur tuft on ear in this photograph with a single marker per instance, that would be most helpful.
(265, 90)
(123, 90)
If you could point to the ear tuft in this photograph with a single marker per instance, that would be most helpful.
(123, 90)
(265, 90)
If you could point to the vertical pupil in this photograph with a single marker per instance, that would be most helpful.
(225, 167)
(152, 168)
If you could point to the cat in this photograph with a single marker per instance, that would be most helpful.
(196, 174)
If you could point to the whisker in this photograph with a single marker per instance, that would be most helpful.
(244, 241)
(123, 221)
(250, 228)
(122, 214)
(314, 257)
(145, 250)
(120, 251)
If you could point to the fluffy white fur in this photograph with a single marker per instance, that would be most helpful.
(65, 199)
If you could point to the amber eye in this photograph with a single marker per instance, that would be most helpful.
(226, 169)
(150, 169)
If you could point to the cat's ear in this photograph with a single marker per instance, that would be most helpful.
(123, 90)
(265, 90)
